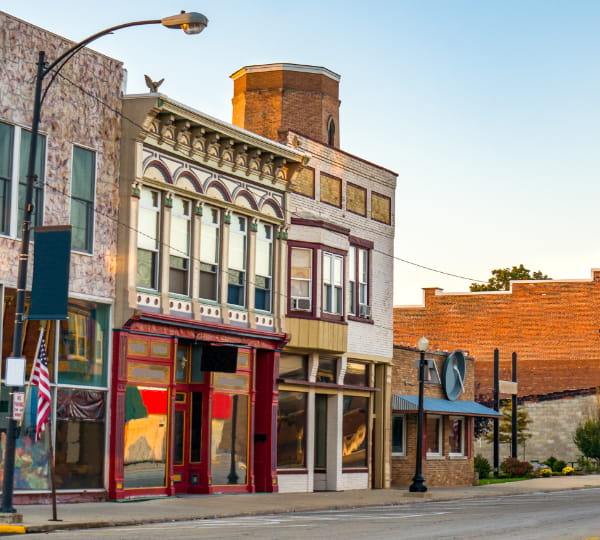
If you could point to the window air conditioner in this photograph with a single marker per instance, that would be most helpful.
(364, 311)
(301, 304)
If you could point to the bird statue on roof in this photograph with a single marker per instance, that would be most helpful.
(153, 85)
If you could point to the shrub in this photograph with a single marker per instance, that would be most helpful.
(550, 462)
(482, 466)
(559, 465)
(514, 468)
(568, 471)
(545, 472)
(587, 437)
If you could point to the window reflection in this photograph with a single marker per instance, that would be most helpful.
(145, 437)
(354, 431)
(229, 448)
(291, 429)
(293, 366)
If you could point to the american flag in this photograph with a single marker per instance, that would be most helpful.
(40, 378)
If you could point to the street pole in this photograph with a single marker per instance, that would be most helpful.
(514, 438)
(497, 409)
(418, 484)
(190, 23)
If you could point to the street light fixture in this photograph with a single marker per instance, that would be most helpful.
(190, 23)
(418, 484)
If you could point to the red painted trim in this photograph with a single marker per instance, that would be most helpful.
(361, 242)
(364, 320)
(292, 471)
(355, 470)
(320, 224)
(192, 178)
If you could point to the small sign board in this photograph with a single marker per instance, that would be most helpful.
(15, 371)
(507, 387)
(18, 405)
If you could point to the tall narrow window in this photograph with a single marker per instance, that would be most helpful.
(264, 267)
(148, 237)
(83, 187)
(209, 254)
(236, 290)
(332, 283)
(363, 283)
(38, 187)
(179, 260)
(301, 279)
(331, 132)
(6, 169)
(352, 281)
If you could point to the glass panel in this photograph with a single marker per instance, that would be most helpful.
(229, 449)
(208, 281)
(182, 362)
(455, 435)
(84, 164)
(301, 263)
(145, 437)
(327, 268)
(327, 371)
(320, 431)
(80, 430)
(32, 458)
(293, 366)
(337, 271)
(148, 228)
(196, 427)
(178, 275)
(337, 300)
(82, 345)
(356, 374)
(291, 429)
(237, 250)
(235, 289)
(354, 431)
(81, 220)
(433, 434)
(300, 288)
(146, 269)
(264, 251)
(39, 171)
(178, 438)
(398, 434)
(6, 165)
(197, 375)
(352, 297)
(209, 236)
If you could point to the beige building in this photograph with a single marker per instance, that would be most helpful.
(334, 374)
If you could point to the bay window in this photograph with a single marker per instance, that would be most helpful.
(209, 254)
(301, 279)
(332, 283)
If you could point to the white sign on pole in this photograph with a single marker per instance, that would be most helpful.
(15, 371)
(18, 405)
(507, 387)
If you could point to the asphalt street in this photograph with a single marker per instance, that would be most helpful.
(567, 515)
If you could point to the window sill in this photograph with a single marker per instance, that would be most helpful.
(398, 455)
(355, 470)
(364, 320)
(457, 457)
(436, 457)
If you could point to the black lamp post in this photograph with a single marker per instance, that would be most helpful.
(190, 23)
(418, 484)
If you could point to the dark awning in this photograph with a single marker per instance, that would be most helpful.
(402, 402)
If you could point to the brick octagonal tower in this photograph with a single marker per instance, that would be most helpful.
(271, 99)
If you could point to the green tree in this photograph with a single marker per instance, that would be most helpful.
(501, 278)
(587, 437)
(505, 427)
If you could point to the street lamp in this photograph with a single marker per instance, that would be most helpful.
(418, 484)
(190, 23)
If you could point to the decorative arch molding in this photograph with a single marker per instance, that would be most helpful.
(214, 187)
(270, 206)
(186, 179)
(156, 170)
(242, 194)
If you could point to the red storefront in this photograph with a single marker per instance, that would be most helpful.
(193, 408)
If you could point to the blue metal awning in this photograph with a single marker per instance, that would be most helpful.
(402, 402)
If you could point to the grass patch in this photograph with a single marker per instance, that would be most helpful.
(500, 480)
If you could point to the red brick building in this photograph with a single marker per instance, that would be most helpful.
(552, 325)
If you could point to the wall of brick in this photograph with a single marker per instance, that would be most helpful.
(552, 325)
(69, 116)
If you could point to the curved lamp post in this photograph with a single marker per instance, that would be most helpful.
(418, 484)
(190, 23)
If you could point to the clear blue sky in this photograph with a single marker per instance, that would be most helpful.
(488, 110)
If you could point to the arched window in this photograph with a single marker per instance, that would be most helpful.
(331, 132)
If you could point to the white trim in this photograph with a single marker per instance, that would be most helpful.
(302, 68)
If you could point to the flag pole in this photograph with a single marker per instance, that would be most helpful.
(28, 387)
(52, 477)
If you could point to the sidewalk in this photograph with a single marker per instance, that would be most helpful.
(190, 507)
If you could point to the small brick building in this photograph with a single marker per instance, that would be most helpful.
(552, 325)
(448, 425)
